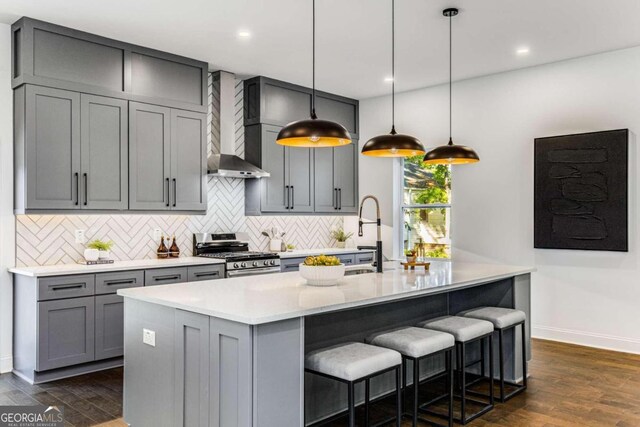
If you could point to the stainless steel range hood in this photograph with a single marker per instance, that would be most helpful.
(228, 164)
(231, 166)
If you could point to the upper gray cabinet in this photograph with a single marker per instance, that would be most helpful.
(50, 55)
(275, 102)
(303, 180)
(167, 168)
(71, 150)
(102, 125)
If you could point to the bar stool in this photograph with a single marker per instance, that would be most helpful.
(353, 362)
(502, 320)
(466, 330)
(416, 344)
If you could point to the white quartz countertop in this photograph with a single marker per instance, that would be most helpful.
(296, 253)
(64, 269)
(267, 298)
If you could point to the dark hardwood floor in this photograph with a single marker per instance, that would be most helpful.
(569, 386)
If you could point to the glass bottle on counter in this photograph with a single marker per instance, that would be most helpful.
(162, 252)
(174, 250)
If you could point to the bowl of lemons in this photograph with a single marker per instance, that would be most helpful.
(322, 270)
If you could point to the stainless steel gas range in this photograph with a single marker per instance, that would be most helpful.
(234, 249)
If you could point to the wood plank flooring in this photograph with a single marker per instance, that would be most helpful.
(569, 386)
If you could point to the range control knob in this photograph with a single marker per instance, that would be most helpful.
(272, 262)
(244, 264)
(235, 265)
(266, 263)
(255, 263)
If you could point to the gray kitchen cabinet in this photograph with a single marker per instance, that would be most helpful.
(205, 272)
(109, 326)
(347, 259)
(357, 257)
(191, 393)
(167, 167)
(59, 287)
(336, 179)
(104, 153)
(150, 157)
(65, 332)
(165, 276)
(188, 160)
(47, 132)
(365, 257)
(109, 283)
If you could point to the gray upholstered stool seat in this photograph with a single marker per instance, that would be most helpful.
(412, 341)
(463, 329)
(352, 361)
(500, 317)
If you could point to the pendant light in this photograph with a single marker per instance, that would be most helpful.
(313, 132)
(450, 154)
(393, 144)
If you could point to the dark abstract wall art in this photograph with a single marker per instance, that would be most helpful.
(580, 191)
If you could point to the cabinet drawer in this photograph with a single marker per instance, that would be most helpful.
(109, 283)
(165, 276)
(290, 264)
(348, 259)
(205, 272)
(364, 258)
(66, 287)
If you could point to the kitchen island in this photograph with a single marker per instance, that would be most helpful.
(231, 352)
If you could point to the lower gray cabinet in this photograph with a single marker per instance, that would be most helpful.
(205, 272)
(365, 258)
(65, 332)
(109, 326)
(165, 276)
(347, 259)
(191, 392)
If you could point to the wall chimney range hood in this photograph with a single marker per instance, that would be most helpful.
(227, 164)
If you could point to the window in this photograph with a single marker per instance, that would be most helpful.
(426, 208)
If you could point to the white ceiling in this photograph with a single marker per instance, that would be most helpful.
(353, 36)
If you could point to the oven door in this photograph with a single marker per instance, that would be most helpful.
(253, 272)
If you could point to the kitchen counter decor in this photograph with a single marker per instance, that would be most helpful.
(322, 270)
(341, 237)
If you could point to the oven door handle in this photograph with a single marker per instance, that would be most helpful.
(239, 273)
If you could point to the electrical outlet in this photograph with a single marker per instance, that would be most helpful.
(80, 238)
(157, 233)
(149, 337)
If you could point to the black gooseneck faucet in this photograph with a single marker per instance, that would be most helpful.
(377, 222)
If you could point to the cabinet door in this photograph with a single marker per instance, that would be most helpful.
(104, 152)
(325, 192)
(52, 138)
(65, 332)
(275, 196)
(300, 171)
(109, 336)
(149, 151)
(191, 369)
(346, 177)
(188, 161)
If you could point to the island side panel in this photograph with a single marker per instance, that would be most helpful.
(522, 301)
(278, 373)
(149, 378)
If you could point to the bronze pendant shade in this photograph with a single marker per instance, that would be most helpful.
(393, 144)
(313, 132)
(451, 154)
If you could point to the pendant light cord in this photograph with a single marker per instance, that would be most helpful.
(313, 73)
(450, 80)
(393, 67)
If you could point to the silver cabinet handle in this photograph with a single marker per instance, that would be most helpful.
(168, 193)
(86, 191)
(77, 175)
(175, 192)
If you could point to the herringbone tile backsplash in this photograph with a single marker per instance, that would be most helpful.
(49, 239)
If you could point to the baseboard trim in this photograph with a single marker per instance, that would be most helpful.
(589, 339)
(6, 364)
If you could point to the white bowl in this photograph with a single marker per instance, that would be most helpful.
(326, 275)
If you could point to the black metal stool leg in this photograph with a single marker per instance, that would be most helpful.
(352, 409)
(416, 386)
(404, 381)
(501, 361)
(491, 400)
(482, 369)
(449, 367)
(524, 356)
(366, 402)
(463, 385)
(398, 398)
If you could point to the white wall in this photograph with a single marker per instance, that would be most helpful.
(7, 221)
(590, 298)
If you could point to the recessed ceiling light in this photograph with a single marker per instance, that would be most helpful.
(388, 79)
(522, 50)
(244, 34)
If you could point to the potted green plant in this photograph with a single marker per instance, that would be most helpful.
(322, 270)
(102, 247)
(410, 254)
(341, 236)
